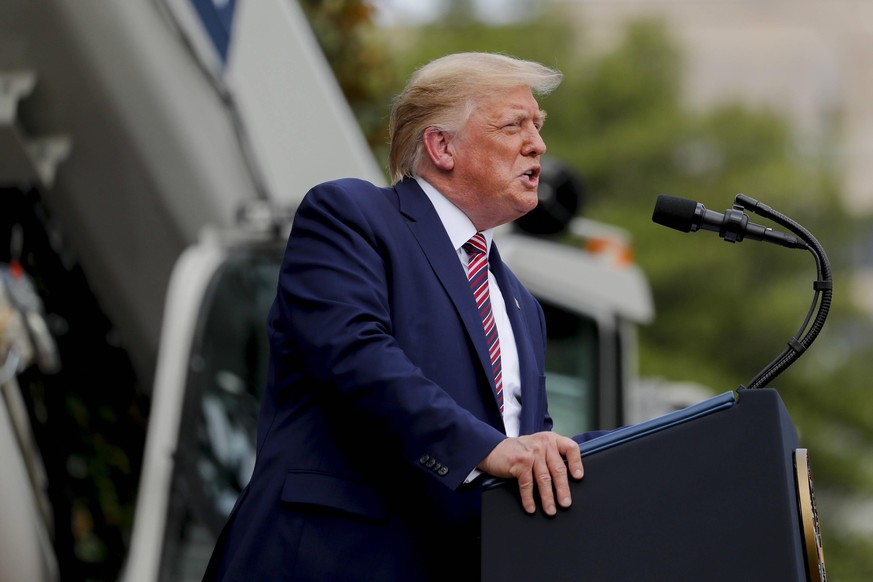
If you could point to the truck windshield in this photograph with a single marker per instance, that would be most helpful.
(216, 449)
(228, 369)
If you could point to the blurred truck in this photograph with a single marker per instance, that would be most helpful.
(171, 141)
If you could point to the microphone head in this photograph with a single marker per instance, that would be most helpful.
(678, 213)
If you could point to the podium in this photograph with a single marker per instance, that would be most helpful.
(721, 494)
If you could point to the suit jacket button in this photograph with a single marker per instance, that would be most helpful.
(431, 462)
(442, 471)
(424, 459)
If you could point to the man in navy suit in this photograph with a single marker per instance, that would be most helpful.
(394, 382)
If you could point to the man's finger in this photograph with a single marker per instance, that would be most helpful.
(526, 489)
(544, 485)
(574, 459)
(560, 481)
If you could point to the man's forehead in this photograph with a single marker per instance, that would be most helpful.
(507, 104)
(516, 111)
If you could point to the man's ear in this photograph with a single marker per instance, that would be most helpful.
(437, 144)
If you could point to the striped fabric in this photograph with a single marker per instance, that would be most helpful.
(477, 273)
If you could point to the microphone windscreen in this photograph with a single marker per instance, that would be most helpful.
(674, 212)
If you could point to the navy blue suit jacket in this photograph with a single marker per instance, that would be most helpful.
(378, 404)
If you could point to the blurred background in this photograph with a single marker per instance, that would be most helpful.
(701, 99)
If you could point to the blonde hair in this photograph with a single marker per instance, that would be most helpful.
(443, 94)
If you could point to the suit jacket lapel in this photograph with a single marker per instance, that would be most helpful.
(425, 225)
(528, 370)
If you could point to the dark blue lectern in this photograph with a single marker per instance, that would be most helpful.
(719, 492)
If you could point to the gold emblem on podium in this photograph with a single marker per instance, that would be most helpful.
(815, 565)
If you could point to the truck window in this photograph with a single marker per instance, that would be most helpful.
(571, 369)
(216, 449)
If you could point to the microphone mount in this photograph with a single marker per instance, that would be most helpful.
(733, 226)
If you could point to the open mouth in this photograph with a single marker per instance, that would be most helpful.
(532, 175)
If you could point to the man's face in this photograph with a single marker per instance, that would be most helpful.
(497, 158)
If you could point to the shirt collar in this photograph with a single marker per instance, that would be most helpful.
(458, 226)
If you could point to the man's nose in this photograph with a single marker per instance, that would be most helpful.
(534, 146)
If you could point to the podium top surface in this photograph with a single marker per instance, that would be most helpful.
(635, 431)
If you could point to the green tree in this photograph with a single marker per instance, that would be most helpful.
(362, 65)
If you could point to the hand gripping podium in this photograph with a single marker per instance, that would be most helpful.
(718, 491)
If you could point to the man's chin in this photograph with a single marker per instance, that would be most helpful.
(527, 204)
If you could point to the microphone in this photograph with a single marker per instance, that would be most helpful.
(733, 226)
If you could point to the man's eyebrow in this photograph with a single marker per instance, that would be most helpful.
(519, 115)
(538, 117)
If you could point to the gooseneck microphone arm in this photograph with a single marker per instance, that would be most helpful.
(733, 226)
(822, 286)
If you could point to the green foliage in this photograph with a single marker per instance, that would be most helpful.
(723, 311)
(361, 64)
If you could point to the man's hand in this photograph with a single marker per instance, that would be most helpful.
(537, 459)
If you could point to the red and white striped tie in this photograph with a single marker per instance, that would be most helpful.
(477, 273)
